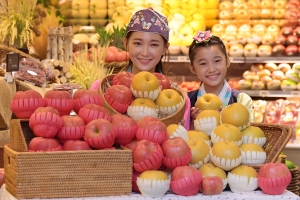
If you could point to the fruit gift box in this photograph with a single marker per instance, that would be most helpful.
(143, 94)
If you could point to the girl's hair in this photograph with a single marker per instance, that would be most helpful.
(214, 40)
(159, 66)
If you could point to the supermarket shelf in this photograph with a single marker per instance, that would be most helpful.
(272, 93)
(286, 59)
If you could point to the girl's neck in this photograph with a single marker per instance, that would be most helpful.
(213, 89)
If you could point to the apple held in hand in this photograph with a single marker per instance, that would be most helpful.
(25, 103)
(150, 128)
(164, 82)
(99, 134)
(82, 97)
(211, 185)
(125, 128)
(45, 122)
(60, 100)
(145, 85)
(123, 78)
(185, 180)
(176, 152)
(44, 144)
(75, 145)
(147, 155)
(119, 97)
(208, 101)
(72, 129)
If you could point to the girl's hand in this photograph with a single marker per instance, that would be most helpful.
(194, 112)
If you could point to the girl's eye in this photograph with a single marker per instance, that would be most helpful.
(202, 63)
(218, 60)
(137, 43)
(155, 45)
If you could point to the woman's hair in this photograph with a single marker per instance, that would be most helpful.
(159, 66)
(214, 40)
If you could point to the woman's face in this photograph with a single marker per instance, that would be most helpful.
(145, 50)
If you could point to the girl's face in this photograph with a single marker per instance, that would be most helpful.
(210, 65)
(145, 50)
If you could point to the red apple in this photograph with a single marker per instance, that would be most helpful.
(45, 122)
(75, 145)
(185, 180)
(60, 100)
(278, 50)
(176, 152)
(287, 30)
(2, 177)
(119, 97)
(91, 111)
(135, 174)
(44, 144)
(82, 97)
(292, 39)
(72, 129)
(291, 50)
(273, 178)
(212, 185)
(131, 145)
(23, 104)
(163, 81)
(147, 155)
(125, 128)
(297, 31)
(99, 134)
(281, 39)
(151, 128)
(123, 78)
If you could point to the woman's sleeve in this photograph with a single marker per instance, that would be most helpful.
(95, 85)
(187, 114)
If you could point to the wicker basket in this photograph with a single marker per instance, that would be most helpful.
(62, 174)
(5, 50)
(277, 136)
(294, 186)
(116, 67)
(175, 118)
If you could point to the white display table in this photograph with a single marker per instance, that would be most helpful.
(226, 195)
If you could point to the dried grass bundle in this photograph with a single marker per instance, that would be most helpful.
(16, 22)
(88, 66)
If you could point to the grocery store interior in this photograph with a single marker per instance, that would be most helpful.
(262, 38)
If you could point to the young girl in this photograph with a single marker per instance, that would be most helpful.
(209, 61)
(146, 40)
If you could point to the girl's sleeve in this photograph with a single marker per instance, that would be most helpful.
(187, 114)
(95, 85)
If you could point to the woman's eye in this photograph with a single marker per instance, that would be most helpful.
(137, 43)
(202, 63)
(155, 45)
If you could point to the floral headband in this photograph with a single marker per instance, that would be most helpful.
(202, 36)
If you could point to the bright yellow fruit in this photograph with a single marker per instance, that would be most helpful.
(226, 149)
(154, 175)
(228, 132)
(244, 170)
(235, 114)
(253, 131)
(197, 135)
(210, 169)
(145, 81)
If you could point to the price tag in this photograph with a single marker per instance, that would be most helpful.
(182, 58)
(295, 93)
(263, 93)
(12, 62)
